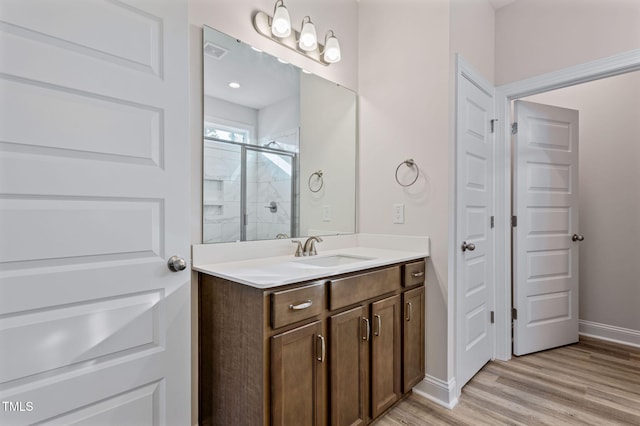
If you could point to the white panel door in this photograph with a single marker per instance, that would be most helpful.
(94, 328)
(474, 286)
(545, 266)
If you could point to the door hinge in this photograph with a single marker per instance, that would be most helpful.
(514, 313)
(493, 317)
(514, 221)
(493, 125)
(514, 128)
(493, 221)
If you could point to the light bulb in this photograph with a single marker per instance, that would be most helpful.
(332, 50)
(308, 37)
(281, 24)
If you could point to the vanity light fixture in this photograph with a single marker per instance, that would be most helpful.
(308, 37)
(278, 28)
(331, 52)
(281, 23)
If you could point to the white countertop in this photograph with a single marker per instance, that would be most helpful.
(268, 272)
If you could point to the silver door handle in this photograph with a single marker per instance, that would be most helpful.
(176, 263)
(468, 246)
(323, 348)
(577, 237)
(301, 306)
(367, 329)
(409, 311)
(379, 321)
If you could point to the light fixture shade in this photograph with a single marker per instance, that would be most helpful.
(308, 36)
(281, 23)
(332, 50)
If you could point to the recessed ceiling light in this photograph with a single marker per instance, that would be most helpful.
(282, 61)
(234, 85)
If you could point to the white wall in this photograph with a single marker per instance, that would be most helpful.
(406, 111)
(230, 112)
(538, 36)
(279, 117)
(609, 196)
(473, 34)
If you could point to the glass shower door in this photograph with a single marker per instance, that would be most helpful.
(268, 193)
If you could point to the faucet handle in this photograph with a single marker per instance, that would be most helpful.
(298, 249)
(310, 245)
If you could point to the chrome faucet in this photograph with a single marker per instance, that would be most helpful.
(310, 246)
(298, 248)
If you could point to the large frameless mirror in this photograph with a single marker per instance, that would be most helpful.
(279, 147)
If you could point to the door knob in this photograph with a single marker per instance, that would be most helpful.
(469, 246)
(176, 263)
(577, 237)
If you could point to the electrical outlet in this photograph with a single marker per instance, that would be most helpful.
(326, 213)
(398, 213)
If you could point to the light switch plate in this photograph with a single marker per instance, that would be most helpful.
(326, 213)
(398, 213)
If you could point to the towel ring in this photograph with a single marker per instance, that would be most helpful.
(319, 174)
(409, 163)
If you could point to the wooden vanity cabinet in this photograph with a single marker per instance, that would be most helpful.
(317, 353)
(385, 354)
(413, 328)
(298, 360)
(349, 334)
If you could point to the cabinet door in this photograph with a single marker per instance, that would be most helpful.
(349, 341)
(297, 379)
(385, 357)
(413, 341)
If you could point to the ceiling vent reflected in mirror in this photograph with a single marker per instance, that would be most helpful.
(214, 51)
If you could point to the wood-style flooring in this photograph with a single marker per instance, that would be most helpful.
(592, 382)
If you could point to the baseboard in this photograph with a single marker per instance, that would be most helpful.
(611, 333)
(441, 392)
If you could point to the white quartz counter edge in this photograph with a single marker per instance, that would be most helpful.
(280, 270)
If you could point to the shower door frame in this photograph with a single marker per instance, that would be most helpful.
(243, 187)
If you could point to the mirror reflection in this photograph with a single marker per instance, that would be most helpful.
(279, 147)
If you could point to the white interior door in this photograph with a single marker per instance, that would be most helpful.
(94, 328)
(545, 250)
(474, 201)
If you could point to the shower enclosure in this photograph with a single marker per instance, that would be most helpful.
(249, 192)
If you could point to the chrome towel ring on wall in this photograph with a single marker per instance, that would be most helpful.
(318, 179)
(411, 164)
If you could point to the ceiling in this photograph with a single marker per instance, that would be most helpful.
(263, 80)
(497, 4)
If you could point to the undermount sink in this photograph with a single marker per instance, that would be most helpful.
(333, 260)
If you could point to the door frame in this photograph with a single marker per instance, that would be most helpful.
(594, 70)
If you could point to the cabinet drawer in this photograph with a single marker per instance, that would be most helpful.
(289, 306)
(414, 273)
(347, 291)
